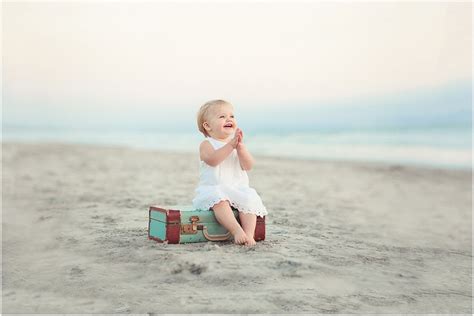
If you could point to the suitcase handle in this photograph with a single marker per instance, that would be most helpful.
(209, 237)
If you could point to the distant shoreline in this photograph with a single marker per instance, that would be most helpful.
(360, 163)
(434, 147)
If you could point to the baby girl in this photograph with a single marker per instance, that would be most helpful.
(223, 177)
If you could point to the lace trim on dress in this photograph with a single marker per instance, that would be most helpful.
(239, 207)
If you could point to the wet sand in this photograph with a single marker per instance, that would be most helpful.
(341, 237)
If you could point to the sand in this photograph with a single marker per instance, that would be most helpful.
(341, 237)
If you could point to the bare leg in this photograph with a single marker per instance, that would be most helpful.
(226, 218)
(249, 221)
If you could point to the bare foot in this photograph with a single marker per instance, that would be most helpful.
(250, 242)
(240, 238)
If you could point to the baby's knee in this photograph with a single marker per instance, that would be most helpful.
(222, 204)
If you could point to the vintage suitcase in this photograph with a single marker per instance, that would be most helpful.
(179, 225)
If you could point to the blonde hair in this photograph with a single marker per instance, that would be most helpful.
(204, 111)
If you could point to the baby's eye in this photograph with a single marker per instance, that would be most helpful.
(222, 116)
(232, 116)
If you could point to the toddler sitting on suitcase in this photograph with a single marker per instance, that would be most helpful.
(223, 178)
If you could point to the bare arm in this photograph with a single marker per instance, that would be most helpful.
(214, 157)
(245, 158)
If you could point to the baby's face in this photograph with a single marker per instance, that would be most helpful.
(221, 122)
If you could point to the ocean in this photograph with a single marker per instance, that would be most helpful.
(438, 146)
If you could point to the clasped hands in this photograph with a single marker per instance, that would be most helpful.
(237, 141)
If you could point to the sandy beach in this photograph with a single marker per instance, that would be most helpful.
(341, 237)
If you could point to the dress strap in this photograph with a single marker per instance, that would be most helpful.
(216, 143)
(213, 142)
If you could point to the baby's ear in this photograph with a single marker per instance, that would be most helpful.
(206, 126)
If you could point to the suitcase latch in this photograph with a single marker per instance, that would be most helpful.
(190, 228)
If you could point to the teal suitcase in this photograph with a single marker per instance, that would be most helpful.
(180, 225)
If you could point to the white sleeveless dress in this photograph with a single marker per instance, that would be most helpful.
(226, 181)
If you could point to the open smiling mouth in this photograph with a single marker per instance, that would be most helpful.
(229, 125)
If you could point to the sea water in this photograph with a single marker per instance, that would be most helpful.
(437, 146)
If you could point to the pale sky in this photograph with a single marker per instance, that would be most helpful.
(119, 58)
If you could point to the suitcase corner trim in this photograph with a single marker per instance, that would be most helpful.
(173, 232)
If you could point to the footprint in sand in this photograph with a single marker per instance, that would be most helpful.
(109, 220)
(76, 272)
(44, 218)
(192, 268)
